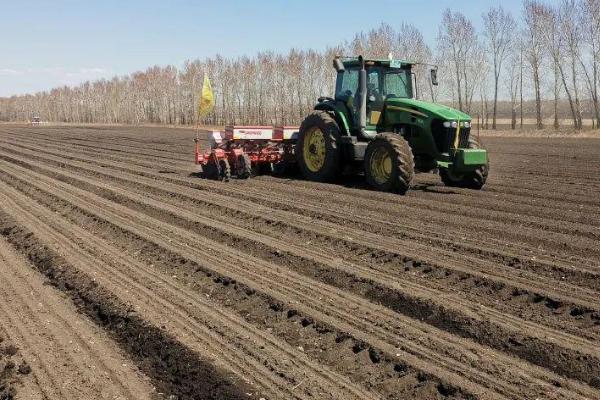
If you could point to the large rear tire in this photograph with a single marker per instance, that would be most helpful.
(389, 163)
(472, 180)
(318, 147)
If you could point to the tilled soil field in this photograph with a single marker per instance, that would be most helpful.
(278, 288)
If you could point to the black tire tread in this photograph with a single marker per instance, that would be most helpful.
(405, 163)
(331, 130)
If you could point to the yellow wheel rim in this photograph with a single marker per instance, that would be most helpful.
(381, 165)
(314, 149)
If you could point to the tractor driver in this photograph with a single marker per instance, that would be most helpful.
(374, 96)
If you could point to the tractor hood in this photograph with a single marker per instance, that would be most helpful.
(431, 109)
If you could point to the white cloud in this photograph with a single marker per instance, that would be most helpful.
(34, 79)
(71, 78)
(8, 71)
(94, 70)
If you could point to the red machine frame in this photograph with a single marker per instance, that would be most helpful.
(246, 150)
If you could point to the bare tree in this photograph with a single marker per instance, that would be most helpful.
(513, 83)
(458, 43)
(571, 33)
(589, 20)
(534, 27)
(499, 30)
(273, 88)
(521, 84)
(554, 42)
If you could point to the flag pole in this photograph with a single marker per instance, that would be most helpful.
(197, 129)
(205, 104)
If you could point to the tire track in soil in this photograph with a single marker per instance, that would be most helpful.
(284, 373)
(308, 186)
(113, 218)
(368, 194)
(578, 312)
(326, 229)
(511, 261)
(412, 381)
(448, 243)
(513, 340)
(68, 357)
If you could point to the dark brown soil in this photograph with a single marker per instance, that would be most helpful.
(173, 368)
(8, 370)
(282, 288)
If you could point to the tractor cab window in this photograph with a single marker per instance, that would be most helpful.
(398, 83)
(346, 89)
(374, 85)
(347, 86)
(374, 94)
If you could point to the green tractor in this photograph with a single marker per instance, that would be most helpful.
(375, 124)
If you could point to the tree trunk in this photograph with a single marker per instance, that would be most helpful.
(538, 97)
(496, 76)
(555, 95)
(513, 121)
(571, 105)
(521, 88)
(578, 121)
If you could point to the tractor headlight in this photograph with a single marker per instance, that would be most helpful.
(467, 124)
(450, 124)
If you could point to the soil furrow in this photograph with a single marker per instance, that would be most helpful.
(172, 231)
(506, 293)
(405, 371)
(269, 356)
(480, 200)
(461, 263)
(157, 354)
(503, 292)
(82, 362)
(465, 237)
(284, 288)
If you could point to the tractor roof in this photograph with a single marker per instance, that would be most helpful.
(353, 61)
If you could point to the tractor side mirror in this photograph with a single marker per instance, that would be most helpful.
(434, 79)
(338, 65)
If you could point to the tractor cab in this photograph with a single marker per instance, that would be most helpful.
(385, 79)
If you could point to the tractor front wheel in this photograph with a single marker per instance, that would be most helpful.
(318, 149)
(471, 180)
(389, 163)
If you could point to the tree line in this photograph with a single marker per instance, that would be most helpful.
(547, 52)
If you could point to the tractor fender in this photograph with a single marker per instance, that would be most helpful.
(339, 115)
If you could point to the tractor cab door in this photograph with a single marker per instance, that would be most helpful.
(346, 91)
(375, 97)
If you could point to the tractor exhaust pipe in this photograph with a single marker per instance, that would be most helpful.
(362, 89)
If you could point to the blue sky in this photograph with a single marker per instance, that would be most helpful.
(47, 43)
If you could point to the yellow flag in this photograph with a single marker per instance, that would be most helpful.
(207, 99)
